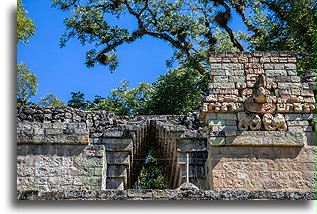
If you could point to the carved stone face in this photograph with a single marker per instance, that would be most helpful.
(259, 99)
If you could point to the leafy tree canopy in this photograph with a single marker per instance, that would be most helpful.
(50, 100)
(179, 91)
(25, 25)
(26, 84)
(26, 80)
(123, 100)
(190, 26)
(288, 25)
(79, 101)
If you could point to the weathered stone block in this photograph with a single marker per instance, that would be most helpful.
(216, 123)
(216, 141)
(290, 66)
(222, 85)
(221, 116)
(291, 117)
(279, 66)
(237, 79)
(119, 144)
(116, 170)
(115, 183)
(117, 157)
(220, 79)
(276, 72)
(228, 128)
(289, 85)
(295, 79)
(292, 72)
(211, 116)
(184, 144)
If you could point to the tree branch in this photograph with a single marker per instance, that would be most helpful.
(224, 25)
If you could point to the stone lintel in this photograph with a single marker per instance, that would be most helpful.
(259, 138)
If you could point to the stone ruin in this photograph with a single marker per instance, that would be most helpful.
(254, 132)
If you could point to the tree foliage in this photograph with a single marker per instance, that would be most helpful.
(179, 91)
(26, 80)
(186, 25)
(124, 101)
(190, 27)
(50, 100)
(151, 176)
(79, 101)
(25, 25)
(26, 84)
(289, 25)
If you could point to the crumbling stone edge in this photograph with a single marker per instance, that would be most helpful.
(164, 195)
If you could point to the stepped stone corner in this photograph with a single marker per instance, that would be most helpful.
(253, 138)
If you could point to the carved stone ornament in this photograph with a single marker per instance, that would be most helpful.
(252, 121)
(259, 99)
(272, 123)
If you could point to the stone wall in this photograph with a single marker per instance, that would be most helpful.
(63, 148)
(260, 119)
(165, 195)
(60, 167)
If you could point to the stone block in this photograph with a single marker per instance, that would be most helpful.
(231, 122)
(289, 85)
(268, 66)
(235, 72)
(116, 170)
(291, 117)
(216, 141)
(298, 123)
(93, 181)
(228, 128)
(230, 133)
(221, 116)
(308, 116)
(117, 157)
(276, 72)
(115, 183)
(285, 141)
(215, 66)
(279, 66)
(237, 79)
(211, 116)
(290, 66)
(216, 123)
(220, 79)
(54, 131)
(119, 144)
(292, 72)
(243, 140)
(295, 79)
(282, 79)
(230, 66)
(219, 72)
(223, 85)
(184, 144)
(296, 129)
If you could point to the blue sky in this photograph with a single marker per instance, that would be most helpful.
(62, 70)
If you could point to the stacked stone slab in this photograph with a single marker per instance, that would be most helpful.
(260, 120)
